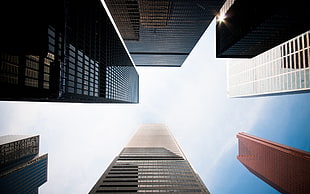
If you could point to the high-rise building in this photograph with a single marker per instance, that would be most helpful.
(282, 70)
(22, 169)
(162, 32)
(246, 28)
(152, 161)
(72, 53)
(284, 168)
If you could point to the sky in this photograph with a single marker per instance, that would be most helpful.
(82, 139)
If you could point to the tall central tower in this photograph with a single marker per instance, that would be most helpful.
(152, 161)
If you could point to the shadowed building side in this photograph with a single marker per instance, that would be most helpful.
(284, 168)
(245, 28)
(75, 55)
(162, 32)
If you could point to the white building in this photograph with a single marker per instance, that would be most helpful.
(281, 70)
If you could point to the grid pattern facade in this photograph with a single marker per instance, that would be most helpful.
(117, 87)
(17, 149)
(281, 70)
(69, 57)
(150, 169)
(82, 74)
(22, 169)
(284, 168)
(162, 32)
(96, 66)
(27, 72)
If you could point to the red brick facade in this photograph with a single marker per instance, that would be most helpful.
(284, 168)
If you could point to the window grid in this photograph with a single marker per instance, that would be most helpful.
(284, 68)
(9, 69)
(32, 69)
(119, 82)
(82, 73)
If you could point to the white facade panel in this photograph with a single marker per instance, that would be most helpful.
(281, 70)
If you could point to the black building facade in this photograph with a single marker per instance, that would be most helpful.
(64, 51)
(151, 162)
(22, 168)
(162, 32)
(250, 28)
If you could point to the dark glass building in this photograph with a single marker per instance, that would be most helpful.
(22, 169)
(152, 161)
(246, 28)
(63, 51)
(284, 168)
(162, 32)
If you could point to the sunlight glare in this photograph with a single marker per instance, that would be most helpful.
(221, 18)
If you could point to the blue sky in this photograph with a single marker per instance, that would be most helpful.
(82, 139)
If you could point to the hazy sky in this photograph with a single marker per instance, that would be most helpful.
(82, 139)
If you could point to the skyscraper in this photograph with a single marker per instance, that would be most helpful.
(282, 70)
(162, 32)
(245, 28)
(75, 55)
(22, 169)
(152, 161)
(284, 168)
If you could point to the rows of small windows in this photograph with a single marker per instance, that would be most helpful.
(117, 82)
(151, 176)
(17, 149)
(33, 64)
(9, 69)
(167, 190)
(21, 144)
(51, 39)
(154, 162)
(32, 71)
(82, 73)
(8, 157)
(167, 185)
(50, 58)
(149, 180)
(146, 151)
(283, 68)
(289, 56)
(293, 81)
(172, 166)
(162, 172)
(30, 175)
(165, 169)
(295, 53)
(250, 70)
(285, 82)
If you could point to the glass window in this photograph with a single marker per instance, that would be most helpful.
(51, 32)
(302, 78)
(307, 78)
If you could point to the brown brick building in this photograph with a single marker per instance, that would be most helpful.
(284, 168)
